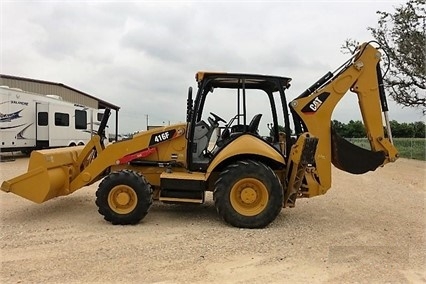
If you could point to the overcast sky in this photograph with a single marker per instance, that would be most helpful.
(143, 55)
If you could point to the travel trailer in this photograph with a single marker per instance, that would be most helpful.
(30, 121)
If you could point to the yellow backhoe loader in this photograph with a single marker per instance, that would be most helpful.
(252, 176)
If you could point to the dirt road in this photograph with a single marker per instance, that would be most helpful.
(366, 229)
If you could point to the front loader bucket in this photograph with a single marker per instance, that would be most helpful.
(353, 159)
(49, 174)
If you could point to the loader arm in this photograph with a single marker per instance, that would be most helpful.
(312, 113)
(59, 172)
(122, 152)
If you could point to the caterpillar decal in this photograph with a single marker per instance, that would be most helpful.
(316, 103)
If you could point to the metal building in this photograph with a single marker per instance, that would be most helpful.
(51, 88)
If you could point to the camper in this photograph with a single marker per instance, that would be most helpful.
(30, 121)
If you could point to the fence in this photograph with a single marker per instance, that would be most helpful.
(411, 148)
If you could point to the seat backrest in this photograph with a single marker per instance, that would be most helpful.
(254, 123)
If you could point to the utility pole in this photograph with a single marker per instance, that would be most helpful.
(147, 119)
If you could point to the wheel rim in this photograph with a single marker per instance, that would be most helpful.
(249, 196)
(122, 199)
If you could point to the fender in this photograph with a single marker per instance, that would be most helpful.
(245, 144)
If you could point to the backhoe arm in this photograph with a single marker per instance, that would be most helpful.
(312, 113)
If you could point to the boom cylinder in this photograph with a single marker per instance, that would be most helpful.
(383, 101)
(316, 85)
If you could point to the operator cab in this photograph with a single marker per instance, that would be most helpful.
(228, 105)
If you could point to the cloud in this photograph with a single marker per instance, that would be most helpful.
(143, 56)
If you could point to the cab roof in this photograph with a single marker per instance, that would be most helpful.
(235, 80)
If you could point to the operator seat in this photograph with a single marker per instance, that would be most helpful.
(254, 123)
(202, 135)
(238, 129)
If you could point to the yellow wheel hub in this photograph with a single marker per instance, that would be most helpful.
(122, 199)
(249, 196)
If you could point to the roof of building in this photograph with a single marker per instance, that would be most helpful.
(102, 103)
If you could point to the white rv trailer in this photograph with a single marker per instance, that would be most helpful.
(30, 121)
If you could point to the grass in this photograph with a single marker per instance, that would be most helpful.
(411, 148)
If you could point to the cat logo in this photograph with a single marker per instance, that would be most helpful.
(314, 105)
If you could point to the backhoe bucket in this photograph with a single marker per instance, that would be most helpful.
(353, 159)
(49, 175)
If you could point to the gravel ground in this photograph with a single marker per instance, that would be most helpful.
(366, 229)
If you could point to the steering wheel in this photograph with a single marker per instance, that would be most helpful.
(217, 118)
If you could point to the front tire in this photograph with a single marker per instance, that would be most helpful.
(248, 194)
(124, 197)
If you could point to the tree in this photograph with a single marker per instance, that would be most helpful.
(408, 130)
(419, 129)
(355, 129)
(280, 129)
(339, 127)
(400, 130)
(402, 36)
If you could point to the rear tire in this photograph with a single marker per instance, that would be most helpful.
(248, 194)
(124, 197)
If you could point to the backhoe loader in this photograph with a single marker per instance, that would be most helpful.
(252, 175)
